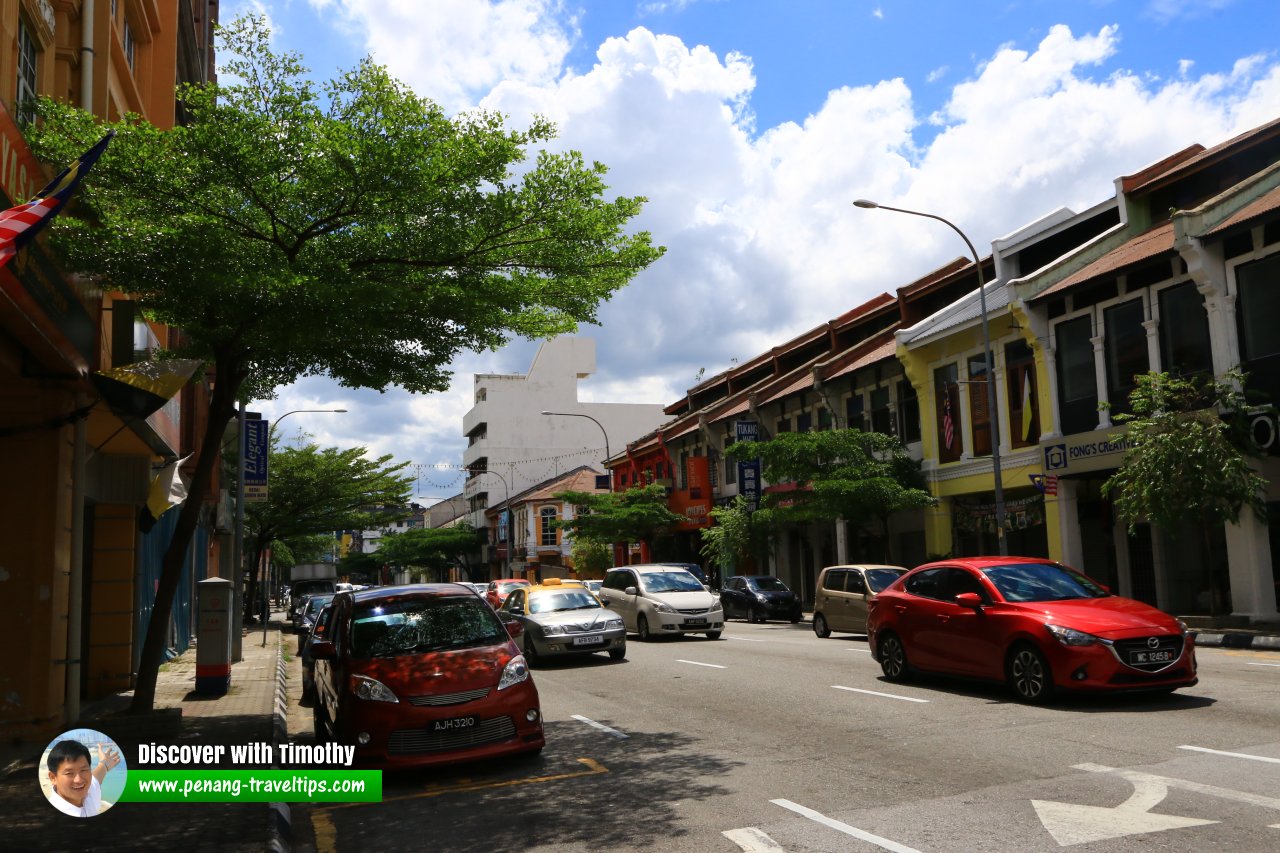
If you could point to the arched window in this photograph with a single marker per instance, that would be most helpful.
(548, 531)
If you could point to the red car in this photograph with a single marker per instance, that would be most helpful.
(422, 675)
(1033, 623)
(499, 590)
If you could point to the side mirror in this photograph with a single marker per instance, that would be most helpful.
(323, 650)
(514, 628)
(969, 599)
(631, 590)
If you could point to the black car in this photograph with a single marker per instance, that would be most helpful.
(758, 598)
(318, 631)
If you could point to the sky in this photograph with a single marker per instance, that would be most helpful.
(751, 126)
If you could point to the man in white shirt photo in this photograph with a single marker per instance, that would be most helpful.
(77, 790)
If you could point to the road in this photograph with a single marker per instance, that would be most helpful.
(772, 739)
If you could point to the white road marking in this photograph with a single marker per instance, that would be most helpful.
(752, 840)
(601, 726)
(1264, 664)
(700, 663)
(845, 828)
(1071, 824)
(1232, 754)
(744, 640)
(1211, 790)
(864, 651)
(877, 693)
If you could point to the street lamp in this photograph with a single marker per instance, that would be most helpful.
(993, 413)
(602, 432)
(240, 514)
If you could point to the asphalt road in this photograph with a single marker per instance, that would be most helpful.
(771, 739)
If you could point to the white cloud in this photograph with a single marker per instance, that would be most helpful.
(937, 74)
(762, 239)
(1168, 10)
(878, 13)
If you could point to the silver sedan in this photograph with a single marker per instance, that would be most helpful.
(564, 621)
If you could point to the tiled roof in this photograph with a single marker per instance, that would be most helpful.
(1147, 245)
(885, 350)
(1264, 204)
(963, 310)
(1249, 137)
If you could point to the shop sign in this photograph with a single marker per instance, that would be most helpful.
(1264, 426)
(255, 447)
(1099, 450)
(749, 472)
(1018, 514)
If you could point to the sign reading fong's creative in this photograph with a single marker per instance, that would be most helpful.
(1099, 450)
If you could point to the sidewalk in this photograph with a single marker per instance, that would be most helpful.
(252, 711)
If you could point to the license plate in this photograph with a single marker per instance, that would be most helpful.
(695, 621)
(454, 724)
(590, 640)
(1159, 656)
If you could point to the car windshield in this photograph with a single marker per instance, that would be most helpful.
(508, 586)
(1041, 582)
(878, 579)
(767, 585)
(399, 626)
(676, 581)
(551, 602)
(317, 602)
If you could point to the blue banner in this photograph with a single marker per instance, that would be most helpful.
(254, 457)
(749, 472)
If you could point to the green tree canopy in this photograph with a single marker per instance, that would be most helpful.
(639, 514)
(1186, 464)
(845, 473)
(350, 229)
(738, 537)
(433, 548)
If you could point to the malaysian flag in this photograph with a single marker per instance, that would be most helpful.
(18, 225)
(948, 425)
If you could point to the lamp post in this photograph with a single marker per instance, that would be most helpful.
(1002, 544)
(602, 432)
(259, 569)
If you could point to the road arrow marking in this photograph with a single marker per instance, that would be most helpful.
(819, 817)
(752, 840)
(1210, 790)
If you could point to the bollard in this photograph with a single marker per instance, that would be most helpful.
(213, 638)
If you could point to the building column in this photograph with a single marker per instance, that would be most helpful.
(1051, 383)
(842, 541)
(1100, 377)
(1160, 562)
(1124, 570)
(937, 528)
(1208, 270)
(1253, 592)
(1152, 328)
(1062, 515)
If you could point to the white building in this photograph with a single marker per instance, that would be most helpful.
(511, 445)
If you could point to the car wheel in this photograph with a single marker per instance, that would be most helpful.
(318, 723)
(893, 658)
(530, 652)
(1029, 674)
(820, 626)
(752, 616)
(642, 629)
(618, 653)
(713, 635)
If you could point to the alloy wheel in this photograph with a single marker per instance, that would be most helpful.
(820, 626)
(642, 628)
(1029, 675)
(893, 658)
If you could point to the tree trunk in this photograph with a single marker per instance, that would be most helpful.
(222, 408)
(1206, 561)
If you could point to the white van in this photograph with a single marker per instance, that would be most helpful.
(654, 600)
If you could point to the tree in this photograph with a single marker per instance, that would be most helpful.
(639, 514)
(739, 536)
(352, 230)
(313, 491)
(434, 548)
(1186, 465)
(840, 474)
(591, 557)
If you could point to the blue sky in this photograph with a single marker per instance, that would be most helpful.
(751, 124)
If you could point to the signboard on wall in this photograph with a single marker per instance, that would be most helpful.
(254, 449)
(748, 472)
(1098, 450)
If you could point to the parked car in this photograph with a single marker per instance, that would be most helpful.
(693, 569)
(1036, 624)
(498, 590)
(843, 593)
(422, 675)
(758, 598)
(593, 586)
(654, 600)
(296, 608)
(307, 618)
(564, 619)
(318, 632)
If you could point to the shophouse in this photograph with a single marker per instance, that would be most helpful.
(540, 549)
(77, 575)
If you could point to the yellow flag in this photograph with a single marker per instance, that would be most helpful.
(1027, 414)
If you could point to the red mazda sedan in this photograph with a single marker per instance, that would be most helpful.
(1033, 623)
(421, 675)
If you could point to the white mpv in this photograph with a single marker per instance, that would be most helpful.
(654, 600)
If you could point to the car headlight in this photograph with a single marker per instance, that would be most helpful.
(613, 623)
(517, 671)
(663, 608)
(372, 690)
(1072, 637)
(715, 607)
(552, 630)
(1182, 626)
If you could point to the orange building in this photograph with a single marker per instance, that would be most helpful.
(76, 573)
